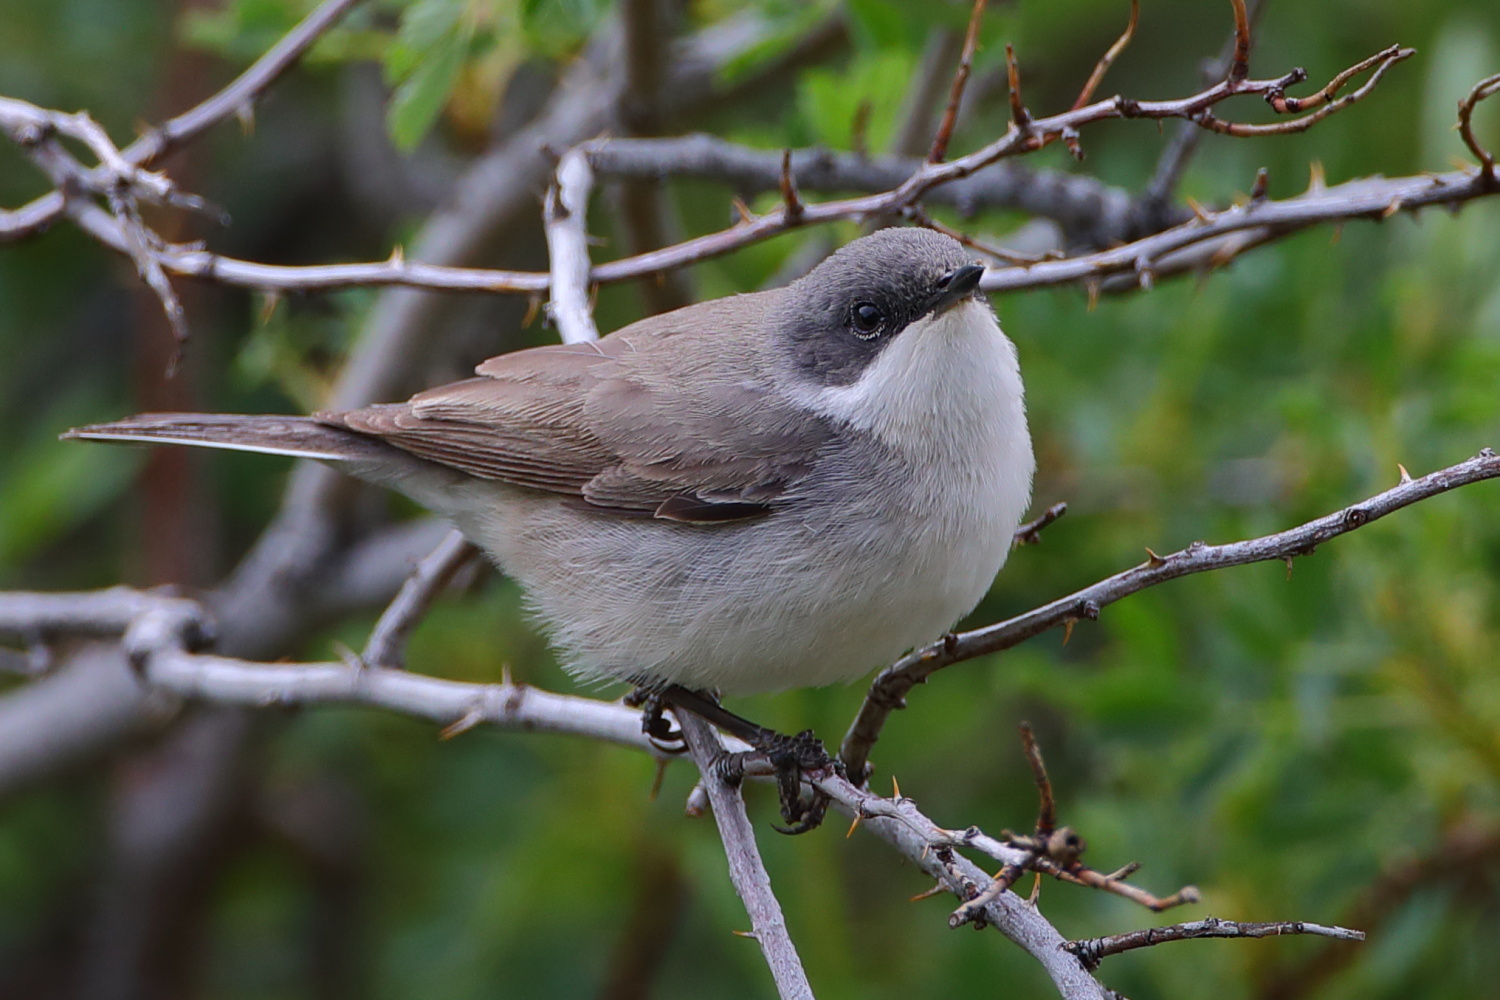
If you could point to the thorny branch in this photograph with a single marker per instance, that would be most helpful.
(889, 689)
(237, 99)
(1026, 134)
(746, 869)
(160, 633)
(1095, 950)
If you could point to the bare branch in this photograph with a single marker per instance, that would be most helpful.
(566, 216)
(1239, 65)
(1108, 59)
(236, 99)
(1017, 140)
(1487, 87)
(1186, 137)
(960, 80)
(889, 689)
(746, 870)
(1212, 240)
(1095, 950)
(388, 639)
(1030, 533)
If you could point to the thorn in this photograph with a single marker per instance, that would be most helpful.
(858, 817)
(789, 196)
(1068, 629)
(1036, 889)
(533, 306)
(1155, 559)
(1390, 210)
(742, 210)
(1198, 210)
(1317, 180)
(661, 773)
(1094, 288)
(746, 934)
(1338, 234)
(505, 677)
(269, 303)
(398, 256)
(1259, 188)
(463, 724)
(928, 893)
(1405, 476)
(1288, 561)
(895, 788)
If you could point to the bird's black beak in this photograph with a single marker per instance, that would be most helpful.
(956, 286)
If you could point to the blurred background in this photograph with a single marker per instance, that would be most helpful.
(1324, 747)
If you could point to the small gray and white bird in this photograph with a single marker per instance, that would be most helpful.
(780, 489)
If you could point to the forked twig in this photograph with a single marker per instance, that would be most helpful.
(1487, 87)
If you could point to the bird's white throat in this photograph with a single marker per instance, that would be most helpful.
(948, 383)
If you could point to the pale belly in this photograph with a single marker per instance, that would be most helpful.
(805, 597)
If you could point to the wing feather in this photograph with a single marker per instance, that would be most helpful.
(689, 434)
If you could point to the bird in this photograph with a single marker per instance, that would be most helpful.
(776, 489)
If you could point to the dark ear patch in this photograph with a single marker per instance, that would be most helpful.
(836, 319)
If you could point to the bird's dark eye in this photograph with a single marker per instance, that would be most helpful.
(867, 318)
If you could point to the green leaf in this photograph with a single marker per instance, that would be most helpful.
(419, 98)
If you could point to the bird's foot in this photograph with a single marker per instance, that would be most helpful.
(654, 723)
(790, 758)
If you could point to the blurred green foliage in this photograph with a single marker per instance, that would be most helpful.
(1286, 744)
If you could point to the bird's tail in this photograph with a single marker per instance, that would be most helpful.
(301, 437)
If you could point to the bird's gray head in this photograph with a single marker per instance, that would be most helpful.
(843, 313)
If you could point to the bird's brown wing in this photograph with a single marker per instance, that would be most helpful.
(638, 423)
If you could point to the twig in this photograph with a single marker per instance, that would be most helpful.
(1186, 137)
(1108, 59)
(1046, 813)
(566, 218)
(746, 869)
(1198, 245)
(933, 849)
(1487, 87)
(235, 99)
(1077, 874)
(1323, 102)
(1037, 133)
(238, 97)
(1094, 950)
(889, 689)
(1239, 64)
(1030, 533)
(960, 81)
(388, 639)
(1020, 118)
